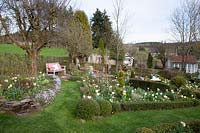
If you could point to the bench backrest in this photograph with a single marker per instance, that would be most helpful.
(50, 67)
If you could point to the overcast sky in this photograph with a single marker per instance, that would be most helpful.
(149, 20)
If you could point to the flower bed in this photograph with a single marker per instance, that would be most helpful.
(23, 102)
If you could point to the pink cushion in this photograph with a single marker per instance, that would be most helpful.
(54, 67)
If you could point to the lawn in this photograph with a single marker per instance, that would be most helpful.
(59, 117)
(55, 52)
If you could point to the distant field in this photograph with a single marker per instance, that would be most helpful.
(53, 52)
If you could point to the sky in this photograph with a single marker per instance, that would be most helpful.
(147, 21)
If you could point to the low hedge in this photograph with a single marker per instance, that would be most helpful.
(152, 85)
(190, 126)
(132, 106)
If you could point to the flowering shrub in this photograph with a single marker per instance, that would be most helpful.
(18, 87)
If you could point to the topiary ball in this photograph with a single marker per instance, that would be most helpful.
(105, 107)
(87, 109)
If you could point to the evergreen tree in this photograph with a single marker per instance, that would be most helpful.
(101, 28)
(150, 61)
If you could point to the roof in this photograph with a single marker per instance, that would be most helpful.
(178, 59)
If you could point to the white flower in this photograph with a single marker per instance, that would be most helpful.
(117, 84)
(34, 84)
(147, 88)
(89, 97)
(161, 93)
(96, 86)
(84, 96)
(10, 86)
(183, 123)
(152, 95)
(124, 92)
(158, 89)
(113, 93)
(83, 80)
(165, 97)
(98, 94)
(184, 97)
(110, 86)
(145, 93)
(0, 85)
(6, 80)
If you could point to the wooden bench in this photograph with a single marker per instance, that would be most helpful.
(53, 68)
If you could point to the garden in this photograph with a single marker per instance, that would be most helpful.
(85, 103)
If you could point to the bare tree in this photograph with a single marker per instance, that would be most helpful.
(33, 21)
(162, 53)
(185, 24)
(120, 23)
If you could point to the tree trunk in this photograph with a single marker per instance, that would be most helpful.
(33, 57)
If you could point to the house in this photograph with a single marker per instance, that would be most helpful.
(175, 62)
(128, 60)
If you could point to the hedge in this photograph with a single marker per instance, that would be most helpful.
(191, 126)
(152, 85)
(132, 106)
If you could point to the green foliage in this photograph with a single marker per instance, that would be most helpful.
(181, 127)
(169, 74)
(186, 92)
(121, 78)
(101, 29)
(149, 84)
(150, 61)
(17, 88)
(116, 107)
(87, 109)
(105, 107)
(102, 49)
(132, 74)
(132, 106)
(178, 81)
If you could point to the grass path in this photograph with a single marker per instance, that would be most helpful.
(59, 117)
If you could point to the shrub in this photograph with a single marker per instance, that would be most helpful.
(178, 81)
(132, 74)
(116, 107)
(87, 109)
(197, 94)
(149, 84)
(168, 74)
(132, 106)
(188, 127)
(121, 79)
(105, 107)
(144, 130)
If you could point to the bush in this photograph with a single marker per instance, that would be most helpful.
(87, 109)
(132, 106)
(116, 107)
(121, 78)
(178, 81)
(105, 107)
(197, 94)
(189, 127)
(149, 84)
(169, 74)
